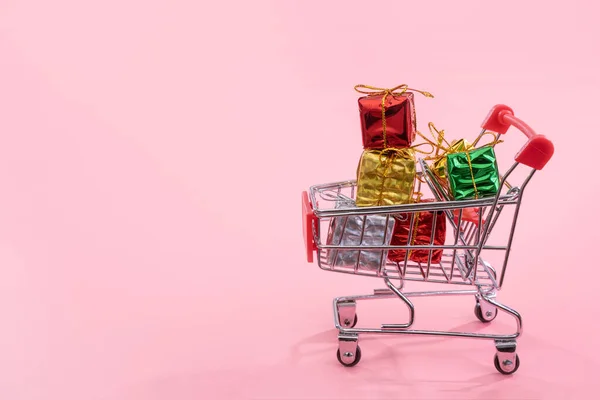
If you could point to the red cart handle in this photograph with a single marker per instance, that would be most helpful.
(537, 151)
(308, 217)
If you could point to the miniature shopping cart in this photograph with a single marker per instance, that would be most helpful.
(328, 210)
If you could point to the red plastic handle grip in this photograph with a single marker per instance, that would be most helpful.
(537, 151)
(308, 217)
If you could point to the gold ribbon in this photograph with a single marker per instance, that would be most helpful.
(439, 141)
(395, 91)
(390, 153)
(414, 233)
(417, 199)
(492, 143)
(472, 176)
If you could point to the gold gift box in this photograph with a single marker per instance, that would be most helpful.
(385, 177)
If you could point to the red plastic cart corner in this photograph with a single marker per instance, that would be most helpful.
(536, 152)
(308, 218)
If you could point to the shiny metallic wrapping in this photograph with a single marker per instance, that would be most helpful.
(385, 177)
(370, 230)
(400, 121)
(473, 174)
(439, 165)
(422, 232)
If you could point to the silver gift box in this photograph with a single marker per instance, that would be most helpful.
(355, 230)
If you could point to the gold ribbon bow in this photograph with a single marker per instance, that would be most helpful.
(439, 139)
(440, 143)
(395, 91)
(391, 153)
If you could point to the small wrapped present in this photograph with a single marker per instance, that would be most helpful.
(385, 177)
(387, 116)
(441, 148)
(439, 166)
(355, 230)
(473, 174)
(466, 171)
(423, 230)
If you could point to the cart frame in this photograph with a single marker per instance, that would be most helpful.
(462, 262)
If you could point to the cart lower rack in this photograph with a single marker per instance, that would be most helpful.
(356, 240)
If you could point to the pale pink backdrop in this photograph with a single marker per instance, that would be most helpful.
(151, 164)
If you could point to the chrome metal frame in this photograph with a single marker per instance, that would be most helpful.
(461, 264)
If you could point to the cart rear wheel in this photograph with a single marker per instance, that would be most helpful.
(489, 315)
(507, 369)
(357, 357)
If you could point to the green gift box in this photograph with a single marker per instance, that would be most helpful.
(473, 174)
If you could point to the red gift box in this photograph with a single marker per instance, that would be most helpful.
(387, 116)
(422, 229)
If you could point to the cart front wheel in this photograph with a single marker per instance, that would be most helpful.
(356, 360)
(507, 367)
(485, 316)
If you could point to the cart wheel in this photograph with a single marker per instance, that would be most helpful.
(489, 315)
(508, 368)
(347, 322)
(353, 363)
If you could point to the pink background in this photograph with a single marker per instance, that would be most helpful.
(152, 159)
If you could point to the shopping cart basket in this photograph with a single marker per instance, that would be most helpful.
(329, 214)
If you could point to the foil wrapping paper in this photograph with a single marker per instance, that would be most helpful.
(422, 235)
(400, 121)
(439, 165)
(385, 177)
(473, 174)
(370, 230)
